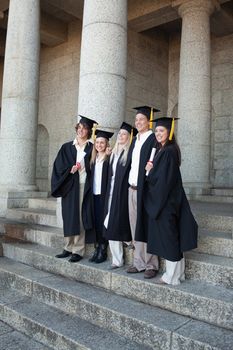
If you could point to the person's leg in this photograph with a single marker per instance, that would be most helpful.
(138, 258)
(174, 272)
(116, 249)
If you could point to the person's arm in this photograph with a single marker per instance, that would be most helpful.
(160, 182)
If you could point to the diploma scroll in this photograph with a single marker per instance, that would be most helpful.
(151, 158)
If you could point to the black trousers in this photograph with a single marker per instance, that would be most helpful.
(98, 213)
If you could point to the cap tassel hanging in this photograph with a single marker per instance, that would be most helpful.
(93, 136)
(172, 129)
(151, 118)
(131, 136)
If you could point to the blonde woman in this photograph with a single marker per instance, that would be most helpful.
(116, 223)
(99, 175)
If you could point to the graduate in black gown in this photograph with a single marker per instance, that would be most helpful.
(71, 180)
(139, 154)
(99, 175)
(171, 227)
(116, 223)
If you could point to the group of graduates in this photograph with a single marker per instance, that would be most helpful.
(131, 195)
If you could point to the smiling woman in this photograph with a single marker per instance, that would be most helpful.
(99, 175)
(170, 226)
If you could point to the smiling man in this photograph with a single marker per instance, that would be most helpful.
(71, 181)
(139, 155)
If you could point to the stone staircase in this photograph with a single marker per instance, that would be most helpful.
(60, 305)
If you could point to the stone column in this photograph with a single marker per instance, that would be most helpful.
(102, 84)
(20, 97)
(194, 94)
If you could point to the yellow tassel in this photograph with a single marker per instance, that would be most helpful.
(172, 129)
(93, 136)
(131, 136)
(151, 118)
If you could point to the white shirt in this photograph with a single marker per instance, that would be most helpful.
(98, 176)
(80, 159)
(133, 174)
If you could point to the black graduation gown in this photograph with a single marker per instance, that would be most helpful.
(171, 227)
(118, 224)
(104, 180)
(66, 185)
(144, 157)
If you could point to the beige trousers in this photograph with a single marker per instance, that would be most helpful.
(142, 260)
(76, 244)
(174, 272)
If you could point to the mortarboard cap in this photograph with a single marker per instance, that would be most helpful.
(102, 133)
(129, 128)
(88, 121)
(167, 122)
(147, 111)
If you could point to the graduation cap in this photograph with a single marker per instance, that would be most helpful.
(102, 133)
(168, 123)
(148, 112)
(131, 130)
(88, 121)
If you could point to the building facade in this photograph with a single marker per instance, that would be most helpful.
(100, 58)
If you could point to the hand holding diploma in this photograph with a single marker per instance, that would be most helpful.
(79, 159)
(149, 164)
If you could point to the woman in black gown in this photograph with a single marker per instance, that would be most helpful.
(170, 226)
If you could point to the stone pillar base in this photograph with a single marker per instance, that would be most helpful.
(197, 189)
(17, 199)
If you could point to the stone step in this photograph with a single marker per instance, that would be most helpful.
(146, 324)
(42, 203)
(213, 304)
(215, 243)
(213, 216)
(210, 268)
(56, 328)
(10, 339)
(35, 216)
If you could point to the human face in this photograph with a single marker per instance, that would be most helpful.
(141, 123)
(101, 144)
(161, 134)
(82, 132)
(123, 137)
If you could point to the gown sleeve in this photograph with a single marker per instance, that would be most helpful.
(62, 180)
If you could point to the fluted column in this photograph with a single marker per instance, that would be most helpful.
(102, 84)
(194, 93)
(20, 97)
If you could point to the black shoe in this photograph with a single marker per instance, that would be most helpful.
(75, 258)
(102, 254)
(64, 254)
(95, 254)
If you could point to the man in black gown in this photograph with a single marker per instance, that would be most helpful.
(71, 181)
(139, 154)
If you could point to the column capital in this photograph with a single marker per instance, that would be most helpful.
(190, 6)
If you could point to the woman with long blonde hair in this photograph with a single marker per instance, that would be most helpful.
(99, 175)
(116, 222)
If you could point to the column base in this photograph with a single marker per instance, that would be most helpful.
(197, 188)
(17, 199)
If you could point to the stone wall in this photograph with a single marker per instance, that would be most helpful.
(147, 75)
(222, 111)
(222, 104)
(58, 102)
